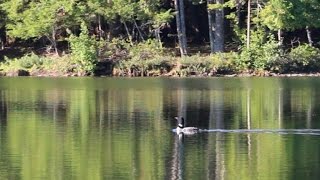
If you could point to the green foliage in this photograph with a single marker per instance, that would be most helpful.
(34, 19)
(126, 10)
(225, 63)
(263, 50)
(84, 51)
(143, 59)
(140, 20)
(26, 62)
(215, 6)
(162, 18)
(228, 4)
(39, 65)
(304, 54)
(2, 18)
(31, 60)
(101, 7)
(219, 63)
(9, 65)
(303, 58)
(145, 50)
(290, 14)
(277, 15)
(195, 65)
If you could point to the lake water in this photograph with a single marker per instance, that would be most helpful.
(122, 128)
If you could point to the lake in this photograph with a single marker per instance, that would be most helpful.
(122, 128)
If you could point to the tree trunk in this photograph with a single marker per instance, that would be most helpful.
(183, 26)
(178, 22)
(128, 33)
(54, 41)
(248, 23)
(2, 38)
(158, 37)
(219, 30)
(211, 27)
(181, 30)
(280, 39)
(138, 29)
(100, 27)
(238, 12)
(309, 35)
(1, 44)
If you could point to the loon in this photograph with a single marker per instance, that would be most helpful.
(185, 130)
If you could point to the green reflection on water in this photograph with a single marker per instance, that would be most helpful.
(96, 128)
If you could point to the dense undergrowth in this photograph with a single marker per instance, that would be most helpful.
(150, 59)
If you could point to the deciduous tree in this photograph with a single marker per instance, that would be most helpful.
(36, 19)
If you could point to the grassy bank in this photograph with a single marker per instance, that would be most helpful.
(149, 59)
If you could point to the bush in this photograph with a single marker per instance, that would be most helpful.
(195, 65)
(304, 58)
(143, 59)
(39, 65)
(58, 66)
(27, 62)
(30, 60)
(261, 54)
(9, 65)
(219, 63)
(84, 51)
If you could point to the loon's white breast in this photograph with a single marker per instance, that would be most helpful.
(185, 130)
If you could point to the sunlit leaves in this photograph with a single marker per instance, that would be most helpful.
(290, 14)
(276, 15)
(162, 18)
(230, 4)
(35, 19)
(84, 50)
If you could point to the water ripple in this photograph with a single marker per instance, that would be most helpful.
(277, 131)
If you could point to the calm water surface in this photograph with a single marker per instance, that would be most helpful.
(114, 128)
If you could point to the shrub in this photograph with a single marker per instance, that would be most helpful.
(9, 65)
(59, 66)
(225, 63)
(84, 51)
(195, 65)
(27, 62)
(304, 58)
(219, 63)
(143, 59)
(260, 55)
(39, 65)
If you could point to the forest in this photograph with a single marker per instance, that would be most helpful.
(159, 37)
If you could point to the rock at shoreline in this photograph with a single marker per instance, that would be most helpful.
(19, 72)
(104, 68)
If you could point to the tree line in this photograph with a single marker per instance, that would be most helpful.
(244, 26)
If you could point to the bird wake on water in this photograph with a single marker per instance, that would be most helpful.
(182, 129)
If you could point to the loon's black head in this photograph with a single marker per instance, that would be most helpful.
(180, 122)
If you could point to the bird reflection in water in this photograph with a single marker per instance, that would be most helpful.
(178, 157)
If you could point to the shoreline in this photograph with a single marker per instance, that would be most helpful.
(218, 65)
(24, 73)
